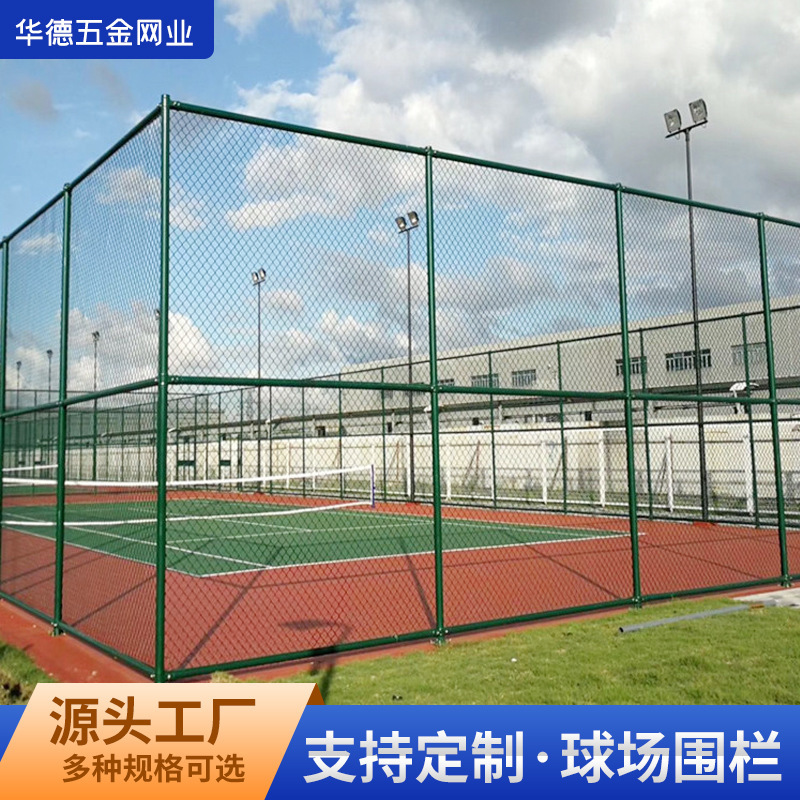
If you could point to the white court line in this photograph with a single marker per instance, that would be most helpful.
(257, 567)
(116, 537)
(406, 555)
(196, 518)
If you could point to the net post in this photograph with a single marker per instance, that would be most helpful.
(61, 445)
(162, 419)
(633, 511)
(773, 401)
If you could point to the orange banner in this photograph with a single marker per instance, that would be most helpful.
(128, 740)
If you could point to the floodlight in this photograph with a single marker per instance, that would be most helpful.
(255, 277)
(699, 111)
(673, 120)
(262, 274)
(413, 218)
(401, 224)
(96, 336)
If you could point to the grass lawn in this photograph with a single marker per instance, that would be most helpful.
(748, 657)
(18, 675)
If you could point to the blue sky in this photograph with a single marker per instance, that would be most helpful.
(577, 87)
(93, 103)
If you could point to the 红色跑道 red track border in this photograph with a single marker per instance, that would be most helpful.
(239, 616)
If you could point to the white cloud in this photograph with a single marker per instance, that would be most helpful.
(38, 245)
(245, 15)
(571, 87)
(313, 177)
(134, 186)
(288, 301)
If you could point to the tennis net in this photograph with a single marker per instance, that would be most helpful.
(30, 502)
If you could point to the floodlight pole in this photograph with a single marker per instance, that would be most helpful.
(406, 228)
(704, 493)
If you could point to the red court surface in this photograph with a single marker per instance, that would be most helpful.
(239, 616)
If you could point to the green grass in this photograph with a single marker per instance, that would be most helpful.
(209, 545)
(749, 657)
(18, 675)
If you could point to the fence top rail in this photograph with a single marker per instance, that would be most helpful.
(289, 127)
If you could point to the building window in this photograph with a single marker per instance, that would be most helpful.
(388, 427)
(487, 381)
(476, 420)
(321, 431)
(447, 382)
(680, 362)
(548, 417)
(523, 378)
(756, 354)
(638, 366)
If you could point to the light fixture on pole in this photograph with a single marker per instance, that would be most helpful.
(699, 112)
(406, 226)
(258, 279)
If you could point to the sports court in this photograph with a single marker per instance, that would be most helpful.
(270, 392)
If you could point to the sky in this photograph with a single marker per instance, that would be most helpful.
(576, 87)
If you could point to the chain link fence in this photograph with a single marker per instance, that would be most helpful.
(271, 392)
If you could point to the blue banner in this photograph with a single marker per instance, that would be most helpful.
(548, 751)
(91, 29)
(9, 718)
(524, 751)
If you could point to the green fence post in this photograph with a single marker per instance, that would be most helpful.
(561, 429)
(240, 443)
(303, 436)
(773, 401)
(61, 445)
(3, 345)
(162, 414)
(643, 372)
(270, 428)
(341, 444)
(434, 392)
(626, 378)
(491, 429)
(383, 431)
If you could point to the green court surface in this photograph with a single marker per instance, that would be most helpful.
(230, 536)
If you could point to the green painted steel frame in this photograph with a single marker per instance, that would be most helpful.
(163, 381)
